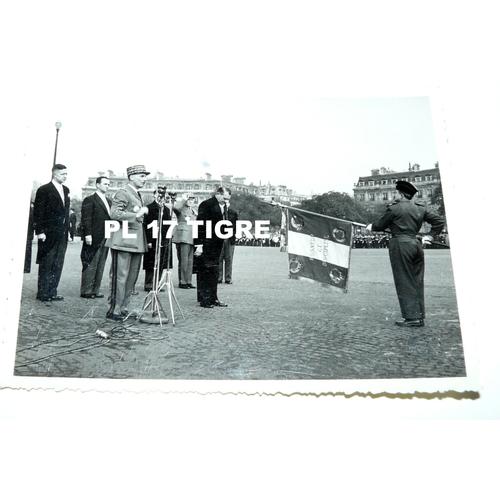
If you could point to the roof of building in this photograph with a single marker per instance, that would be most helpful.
(396, 175)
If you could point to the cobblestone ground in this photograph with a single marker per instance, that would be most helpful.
(274, 327)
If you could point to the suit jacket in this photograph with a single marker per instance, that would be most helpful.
(50, 216)
(232, 216)
(94, 213)
(124, 207)
(183, 232)
(209, 210)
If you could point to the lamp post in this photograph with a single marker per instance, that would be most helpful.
(58, 126)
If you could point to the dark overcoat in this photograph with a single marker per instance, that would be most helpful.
(51, 217)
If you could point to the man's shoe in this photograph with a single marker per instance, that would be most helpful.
(183, 285)
(228, 282)
(147, 288)
(44, 299)
(219, 282)
(125, 313)
(98, 295)
(87, 296)
(207, 306)
(410, 322)
(189, 285)
(114, 317)
(57, 297)
(218, 303)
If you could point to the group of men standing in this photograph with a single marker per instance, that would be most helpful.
(133, 243)
(51, 220)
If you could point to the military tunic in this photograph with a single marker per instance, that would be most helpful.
(404, 218)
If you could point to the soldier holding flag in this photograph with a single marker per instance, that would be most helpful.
(404, 217)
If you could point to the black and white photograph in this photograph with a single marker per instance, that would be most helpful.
(352, 278)
(336, 343)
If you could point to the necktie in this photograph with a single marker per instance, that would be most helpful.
(225, 211)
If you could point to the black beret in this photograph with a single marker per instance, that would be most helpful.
(406, 187)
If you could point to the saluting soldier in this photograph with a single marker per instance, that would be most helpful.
(404, 217)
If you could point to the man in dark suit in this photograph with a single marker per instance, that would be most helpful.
(209, 246)
(404, 217)
(227, 253)
(51, 222)
(150, 256)
(96, 209)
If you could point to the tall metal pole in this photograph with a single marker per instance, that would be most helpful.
(58, 126)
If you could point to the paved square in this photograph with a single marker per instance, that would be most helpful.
(274, 327)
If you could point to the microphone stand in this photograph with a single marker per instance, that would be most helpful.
(152, 305)
(166, 281)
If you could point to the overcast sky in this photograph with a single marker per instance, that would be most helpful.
(187, 84)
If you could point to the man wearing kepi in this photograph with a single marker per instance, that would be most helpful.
(51, 223)
(404, 217)
(96, 209)
(128, 243)
(208, 245)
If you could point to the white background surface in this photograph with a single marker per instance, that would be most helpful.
(103, 445)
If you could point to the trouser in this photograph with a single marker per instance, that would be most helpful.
(92, 275)
(407, 262)
(185, 260)
(206, 280)
(50, 269)
(125, 268)
(226, 261)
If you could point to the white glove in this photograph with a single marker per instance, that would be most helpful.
(198, 250)
(141, 212)
(369, 227)
(42, 237)
(88, 239)
(427, 240)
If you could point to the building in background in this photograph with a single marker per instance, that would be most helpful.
(379, 187)
(202, 188)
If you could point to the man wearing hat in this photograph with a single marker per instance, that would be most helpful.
(404, 218)
(128, 246)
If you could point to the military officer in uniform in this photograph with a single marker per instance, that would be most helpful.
(127, 246)
(404, 217)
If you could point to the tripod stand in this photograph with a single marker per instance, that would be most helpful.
(152, 309)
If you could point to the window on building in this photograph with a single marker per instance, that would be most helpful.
(371, 183)
(385, 196)
(418, 179)
(419, 194)
(428, 177)
(361, 183)
(362, 197)
(394, 181)
(119, 184)
(384, 182)
(372, 196)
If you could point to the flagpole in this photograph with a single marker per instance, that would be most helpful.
(276, 204)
